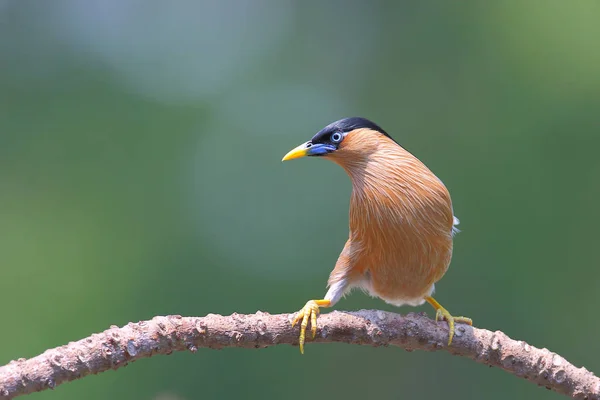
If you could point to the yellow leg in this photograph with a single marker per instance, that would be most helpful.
(310, 310)
(442, 313)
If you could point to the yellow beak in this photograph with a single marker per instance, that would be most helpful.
(298, 152)
(309, 149)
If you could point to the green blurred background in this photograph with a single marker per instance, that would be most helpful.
(140, 174)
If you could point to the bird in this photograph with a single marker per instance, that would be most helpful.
(401, 222)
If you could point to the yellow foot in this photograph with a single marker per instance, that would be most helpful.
(309, 311)
(441, 313)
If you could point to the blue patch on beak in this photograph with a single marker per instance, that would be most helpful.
(320, 149)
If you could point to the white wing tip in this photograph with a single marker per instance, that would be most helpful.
(455, 230)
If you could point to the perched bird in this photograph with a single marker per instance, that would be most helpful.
(401, 222)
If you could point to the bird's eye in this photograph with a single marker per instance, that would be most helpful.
(336, 137)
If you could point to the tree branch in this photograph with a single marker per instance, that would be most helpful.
(116, 347)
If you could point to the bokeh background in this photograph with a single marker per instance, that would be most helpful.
(140, 175)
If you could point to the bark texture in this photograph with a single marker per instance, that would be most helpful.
(116, 347)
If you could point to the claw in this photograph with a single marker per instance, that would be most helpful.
(438, 315)
(309, 312)
(442, 314)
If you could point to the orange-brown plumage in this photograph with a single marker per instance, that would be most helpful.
(401, 221)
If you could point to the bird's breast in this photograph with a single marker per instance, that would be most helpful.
(402, 237)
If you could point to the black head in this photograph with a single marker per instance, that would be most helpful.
(344, 126)
(328, 139)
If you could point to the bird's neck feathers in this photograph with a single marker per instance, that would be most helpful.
(376, 164)
(389, 183)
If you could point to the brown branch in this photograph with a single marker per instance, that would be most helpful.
(116, 347)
